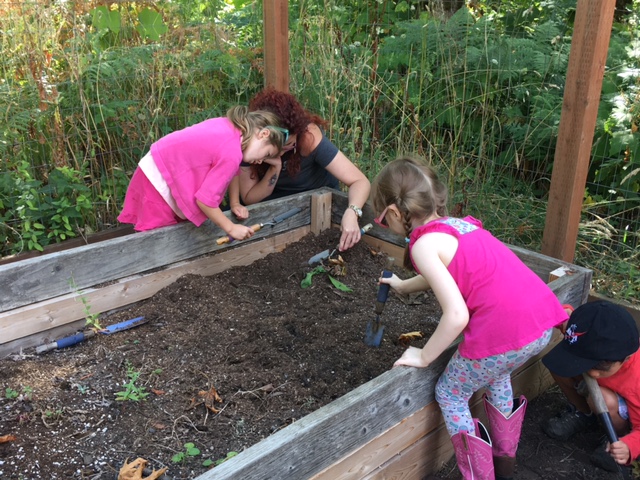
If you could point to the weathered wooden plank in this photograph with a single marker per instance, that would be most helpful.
(119, 231)
(320, 212)
(398, 438)
(23, 322)
(573, 290)
(38, 279)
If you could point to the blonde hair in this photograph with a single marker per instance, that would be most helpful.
(414, 188)
(247, 122)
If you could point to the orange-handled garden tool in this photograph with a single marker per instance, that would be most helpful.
(280, 218)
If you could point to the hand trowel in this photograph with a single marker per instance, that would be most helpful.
(375, 329)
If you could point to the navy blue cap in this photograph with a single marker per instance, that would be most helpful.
(596, 331)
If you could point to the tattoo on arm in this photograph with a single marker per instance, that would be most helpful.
(273, 180)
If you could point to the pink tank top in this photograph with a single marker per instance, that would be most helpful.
(509, 305)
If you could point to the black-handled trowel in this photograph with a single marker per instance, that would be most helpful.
(375, 329)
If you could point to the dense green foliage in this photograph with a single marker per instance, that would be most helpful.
(476, 90)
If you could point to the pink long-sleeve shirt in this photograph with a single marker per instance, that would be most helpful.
(198, 163)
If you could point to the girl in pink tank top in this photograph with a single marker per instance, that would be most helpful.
(503, 310)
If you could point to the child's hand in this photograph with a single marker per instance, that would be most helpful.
(240, 211)
(412, 357)
(619, 451)
(394, 282)
(240, 232)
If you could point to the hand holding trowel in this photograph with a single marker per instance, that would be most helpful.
(375, 329)
(258, 226)
(328, 253)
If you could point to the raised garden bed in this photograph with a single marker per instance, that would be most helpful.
(383, 427)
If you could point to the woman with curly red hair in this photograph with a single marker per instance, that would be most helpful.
(309, 160)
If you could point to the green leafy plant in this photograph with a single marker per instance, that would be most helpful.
(190, 450)
(306, 282)
(132, 392)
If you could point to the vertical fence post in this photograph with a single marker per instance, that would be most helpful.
(587, 59)
(276, 44)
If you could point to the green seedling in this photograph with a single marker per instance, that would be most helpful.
(26, 393)
(53, 414)
(208, 462)
(190, 450)
(222, 460)
(132, 392)
(10, 393)
(91, 319)
(306, 283)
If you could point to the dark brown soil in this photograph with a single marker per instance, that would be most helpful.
(272, 351)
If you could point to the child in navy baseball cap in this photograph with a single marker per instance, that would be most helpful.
(601, 340)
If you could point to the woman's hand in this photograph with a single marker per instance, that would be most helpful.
(412, 357)
(350, 230)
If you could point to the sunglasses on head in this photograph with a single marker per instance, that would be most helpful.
(284, 131)
(381, 220)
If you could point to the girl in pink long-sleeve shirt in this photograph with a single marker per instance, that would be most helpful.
(187, 172)
(504, 311)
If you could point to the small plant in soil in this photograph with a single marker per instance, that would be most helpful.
(190, 450)
(10, 393)
(92, 319)
(132, 392)
(208, 462)
(26, 393)
(306, 282)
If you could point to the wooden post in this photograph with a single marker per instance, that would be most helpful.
(276, 44)
(587, 59)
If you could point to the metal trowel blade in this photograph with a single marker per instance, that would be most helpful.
(319, 257)
(374, 332)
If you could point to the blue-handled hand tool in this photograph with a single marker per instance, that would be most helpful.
(375, 329)
(82, 336)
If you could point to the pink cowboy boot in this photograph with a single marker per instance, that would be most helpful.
(505, 433)
(474, 453)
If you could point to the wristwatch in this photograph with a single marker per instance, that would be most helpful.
(356, 209)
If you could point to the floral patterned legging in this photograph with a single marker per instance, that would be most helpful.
(462, 377)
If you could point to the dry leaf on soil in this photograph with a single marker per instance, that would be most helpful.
(135, 469)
